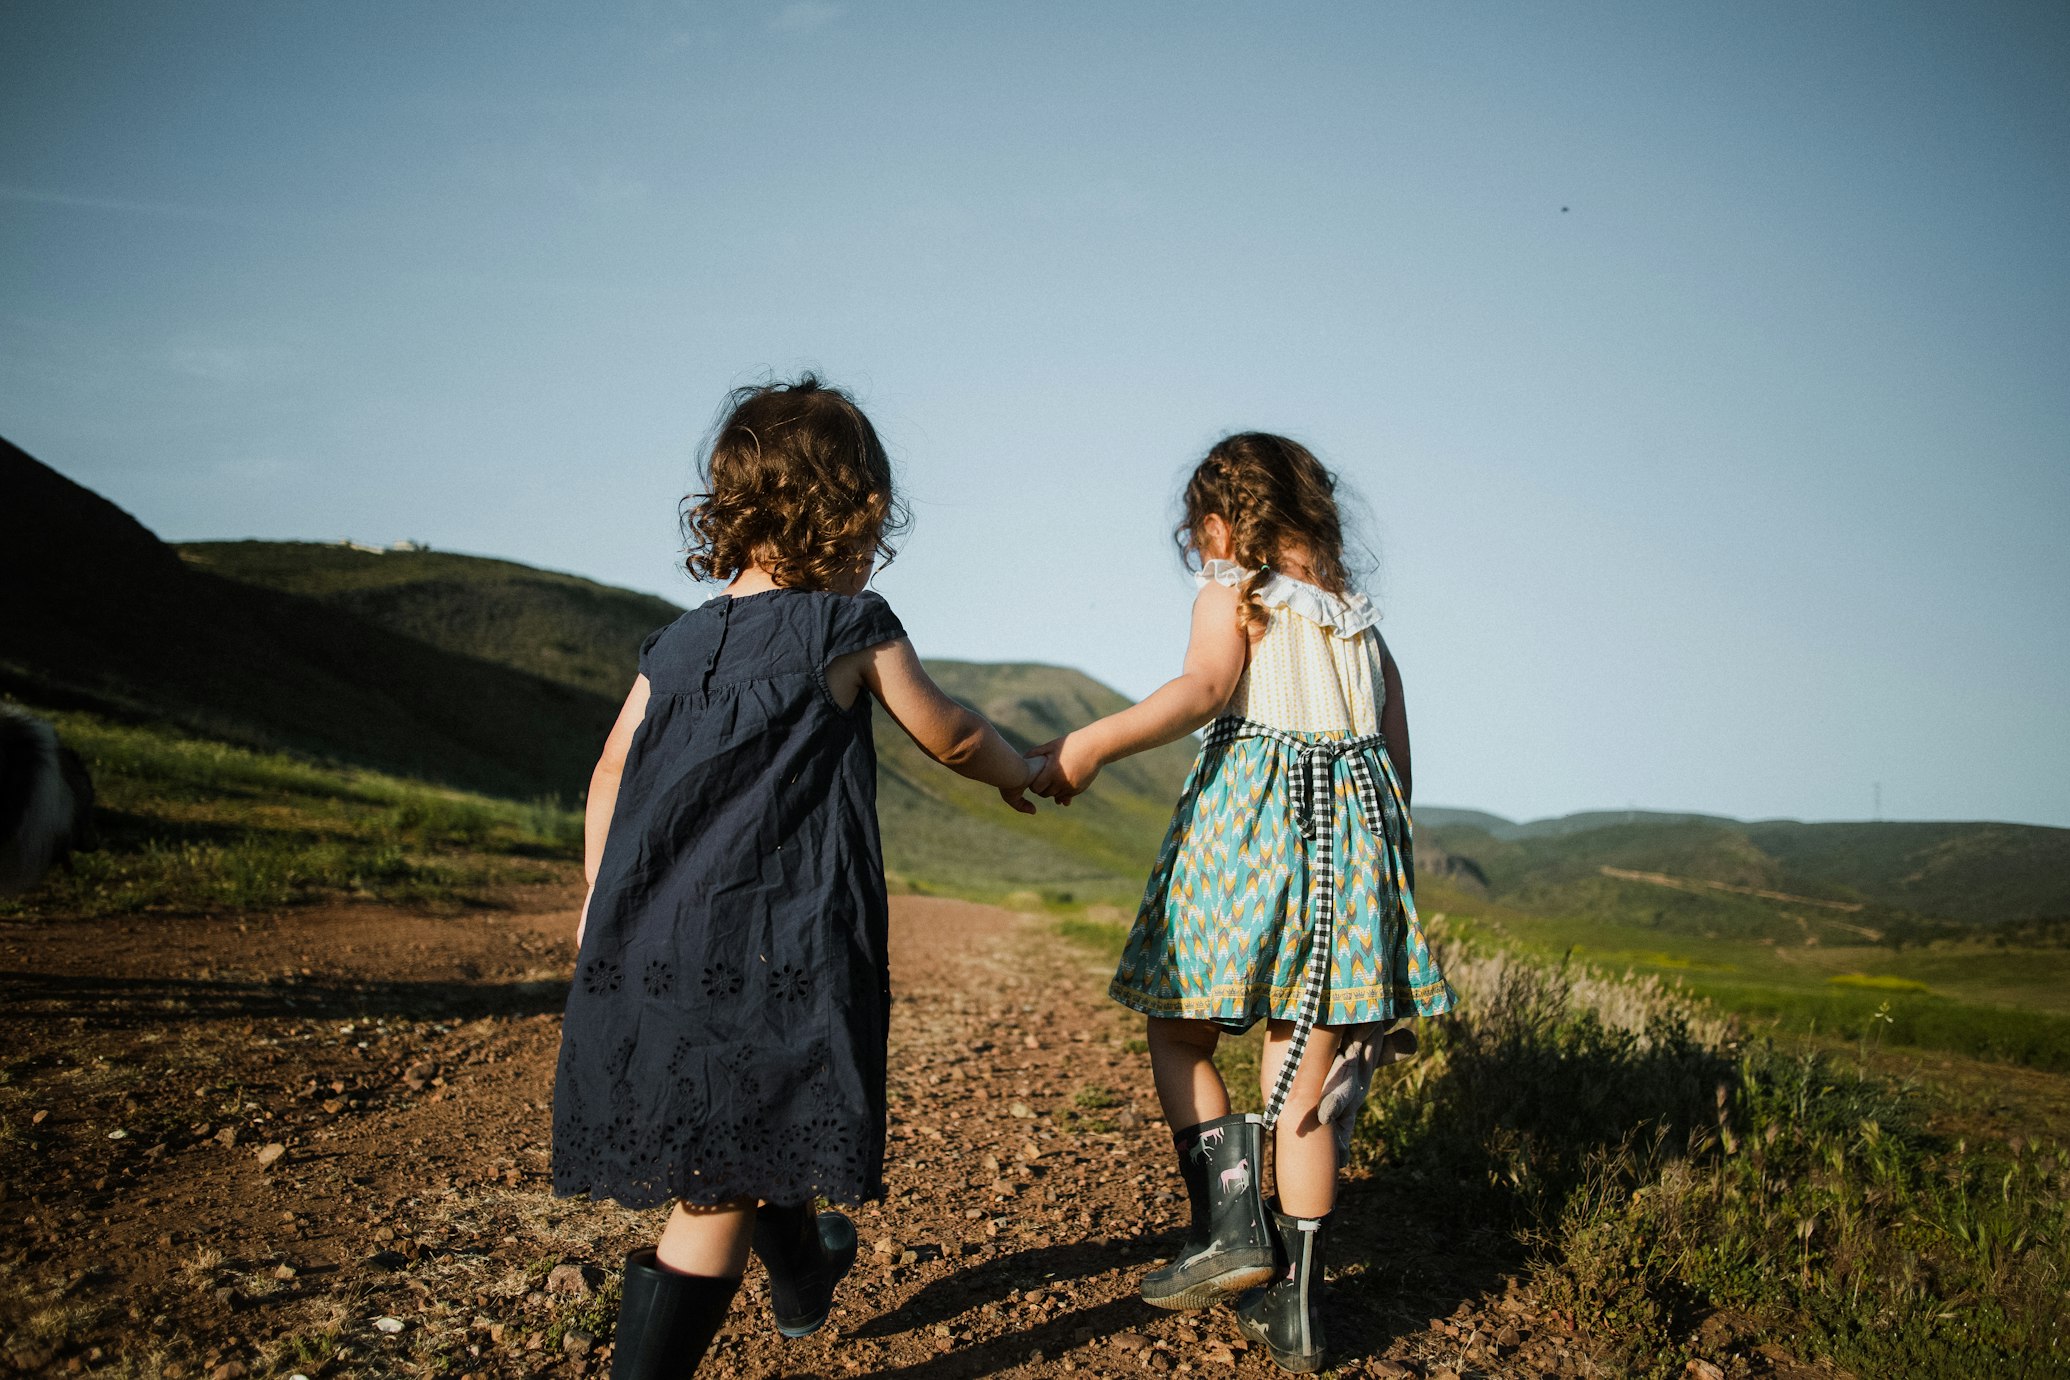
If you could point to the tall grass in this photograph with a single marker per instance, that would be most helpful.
(1659, 1171)
(190, 824)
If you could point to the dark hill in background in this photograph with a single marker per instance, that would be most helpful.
(100, 614)
(938, 828)
(561, 628)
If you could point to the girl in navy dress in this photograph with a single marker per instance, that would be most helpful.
(724, 1046)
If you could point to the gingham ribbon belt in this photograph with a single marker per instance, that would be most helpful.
(1314, 788)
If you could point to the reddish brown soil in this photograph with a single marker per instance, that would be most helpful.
(402, 1066)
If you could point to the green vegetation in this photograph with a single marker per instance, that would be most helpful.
(1969, 995)
(1879, 982)
(941, 834)
(1658, 1172)
(188, 824)
(557, 627)
(1943, 936)
(1655, 1170)
(1696, 874)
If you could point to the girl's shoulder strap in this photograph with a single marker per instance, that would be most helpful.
(1346, 615)
(856, 622)
(1220, 573)
(647, 648)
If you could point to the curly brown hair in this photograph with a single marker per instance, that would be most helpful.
(1274, 494)
(795, 481)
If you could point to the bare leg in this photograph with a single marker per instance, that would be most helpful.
(1304, 1151)
(708, 1241)
(1182, 1060)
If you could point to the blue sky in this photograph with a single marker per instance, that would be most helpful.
(1703, 371)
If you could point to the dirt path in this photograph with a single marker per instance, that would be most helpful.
(317, 1143)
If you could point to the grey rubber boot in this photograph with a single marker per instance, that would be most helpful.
(807, 1253)
(1285, 1317)
(666, 1320)
(1228, 1246)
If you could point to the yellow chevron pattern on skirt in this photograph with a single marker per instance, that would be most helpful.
(1223, 930)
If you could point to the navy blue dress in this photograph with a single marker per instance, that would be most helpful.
(725, 1033)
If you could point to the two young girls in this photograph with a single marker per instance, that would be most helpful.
(724, 1046)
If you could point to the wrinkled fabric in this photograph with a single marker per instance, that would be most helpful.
(725, 1032)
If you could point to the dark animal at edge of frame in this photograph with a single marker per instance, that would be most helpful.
(46, 801)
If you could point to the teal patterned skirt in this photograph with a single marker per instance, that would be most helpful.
(1223, 931)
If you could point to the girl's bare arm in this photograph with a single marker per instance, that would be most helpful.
(961, 739)
(603, 789)
(1394, 720)
(1215, 657)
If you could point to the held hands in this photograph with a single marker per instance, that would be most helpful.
(1017, 796)
(1069, 765)
(1059, 769)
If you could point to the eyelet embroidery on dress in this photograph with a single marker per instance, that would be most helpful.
(831, 1137)
(694, 1154)
(721, 980)
(751, 1135)
(790, 982)
(659, 979)
(601, 977)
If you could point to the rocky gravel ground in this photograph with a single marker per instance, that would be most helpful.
(316, 1143)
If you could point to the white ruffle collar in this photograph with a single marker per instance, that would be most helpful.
(1344, 615)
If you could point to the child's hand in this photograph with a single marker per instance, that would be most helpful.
(1070, 766)
(1017, 796)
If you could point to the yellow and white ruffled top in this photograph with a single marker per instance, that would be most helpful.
(1316, 669)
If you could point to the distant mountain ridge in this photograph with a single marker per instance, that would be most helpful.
(1495, 826)
(500, 677)
(1781, 878)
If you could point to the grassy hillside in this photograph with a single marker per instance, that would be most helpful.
(102, 616)
(561, 628)
(191, 824)
(1982, 873)
(477, 674)
(940, 832)
(1881, 876)
(1937, 936)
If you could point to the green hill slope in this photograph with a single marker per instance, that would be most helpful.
(101, 615)
(558, 627)
(1776, 879)
(939, 830)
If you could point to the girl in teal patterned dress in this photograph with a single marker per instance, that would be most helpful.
(1284, 890)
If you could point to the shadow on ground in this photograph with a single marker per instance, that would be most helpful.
(122, 1002)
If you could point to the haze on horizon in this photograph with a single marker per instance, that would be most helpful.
(1701, 371)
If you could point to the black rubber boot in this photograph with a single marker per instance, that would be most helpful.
(806, 1253)
(1228, 1246)
(666, 1320)
(1285, 1317)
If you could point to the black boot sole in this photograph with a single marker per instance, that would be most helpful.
(1240, 1274)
